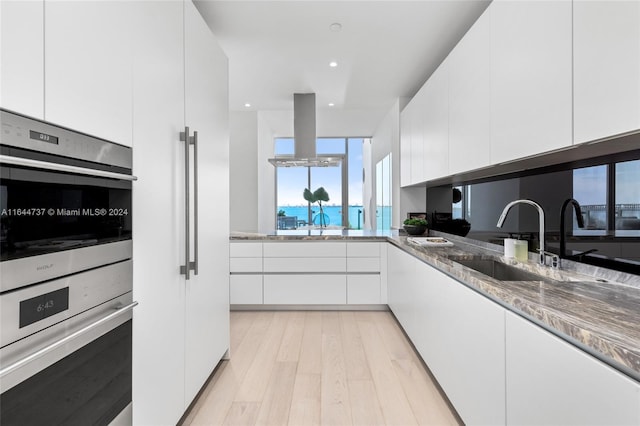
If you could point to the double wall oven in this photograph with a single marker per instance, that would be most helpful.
(65, 276)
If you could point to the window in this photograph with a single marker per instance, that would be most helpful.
(342, 183)
(590, 190)
(627, 193)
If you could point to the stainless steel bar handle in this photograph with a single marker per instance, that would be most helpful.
(186, 268)
(17, 161)
(65, 340)
(195, 203)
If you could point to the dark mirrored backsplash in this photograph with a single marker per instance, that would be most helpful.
(607, 191)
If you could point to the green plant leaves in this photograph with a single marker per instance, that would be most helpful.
(316, 196)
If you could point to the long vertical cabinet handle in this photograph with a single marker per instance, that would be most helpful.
(185, 269)
(195, 203)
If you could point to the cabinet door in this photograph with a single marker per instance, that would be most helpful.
(435, 155)
(158, 233)
(206, 111)
(245, 289)
(417, 136)
(405, 147)
(88, 57)
(22, 57)
(305, 289)
(606, 55)
(469, 106)
(461, 339)
(401, 273)
(550, 382)
(531, 78)
(363, 289)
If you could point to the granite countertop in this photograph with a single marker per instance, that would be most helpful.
(593, 308)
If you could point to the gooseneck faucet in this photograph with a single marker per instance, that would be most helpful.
(503, 216)
(578, 210)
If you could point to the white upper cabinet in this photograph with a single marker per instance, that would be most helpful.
(417, 121)
(469, 107)
(22, 57)
(606, 55)
(88, 71)
(436, 124)
(405, 146)
(531, 78)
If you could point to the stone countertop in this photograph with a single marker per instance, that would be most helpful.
(602, 318)
(593, 308)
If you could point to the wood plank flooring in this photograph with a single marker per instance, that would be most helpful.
(320, 368)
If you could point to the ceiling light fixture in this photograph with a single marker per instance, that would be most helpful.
(331, 104)
(247, 105)
(333, 64)
(335, 27)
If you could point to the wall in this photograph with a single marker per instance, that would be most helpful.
(243, 174)
(266, 184)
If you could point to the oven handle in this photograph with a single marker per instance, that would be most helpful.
(64, 340)
(17, 161)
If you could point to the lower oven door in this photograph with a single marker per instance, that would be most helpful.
(81, 375)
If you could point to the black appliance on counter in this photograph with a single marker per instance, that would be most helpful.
(66, 276)
(443, 222)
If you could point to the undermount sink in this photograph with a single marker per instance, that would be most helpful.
(497, 270)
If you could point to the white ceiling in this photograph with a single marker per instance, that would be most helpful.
(386, 50)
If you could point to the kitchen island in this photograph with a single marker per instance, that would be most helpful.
(569, 343)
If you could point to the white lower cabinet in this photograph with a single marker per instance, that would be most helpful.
(305, 289)
(458, 333)
(363, 289)
(550, 382)
(245, 289)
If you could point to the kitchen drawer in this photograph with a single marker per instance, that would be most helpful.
(363, 264)
(245, 264)
(245, 290)
(363, 289)
(305, 289)
(238, 249)
(305, 249)
(305, 264)
(363, 249)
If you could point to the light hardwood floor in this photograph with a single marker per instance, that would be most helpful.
(320, 368)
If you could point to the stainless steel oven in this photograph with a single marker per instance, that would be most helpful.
(65, 276)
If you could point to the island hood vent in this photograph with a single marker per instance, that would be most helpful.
(304, 136)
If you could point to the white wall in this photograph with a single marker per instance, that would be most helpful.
(243, 173)
(266, 185)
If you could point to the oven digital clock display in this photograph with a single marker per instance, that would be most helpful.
(43, 306)
(43, 137)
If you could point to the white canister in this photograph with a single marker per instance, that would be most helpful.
(510, 248)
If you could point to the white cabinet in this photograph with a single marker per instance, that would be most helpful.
(181, 327)
(88, 67)
(22, 57)
(245, 267)
(469, 99)
(531, 78)
(606, 55)
(245, 289)
(550, 382)
(435, 154)
(458, 333)
(305, 289)
(364, 286)
(405, 146)
(416, 135)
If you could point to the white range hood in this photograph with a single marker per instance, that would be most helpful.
(304, 129)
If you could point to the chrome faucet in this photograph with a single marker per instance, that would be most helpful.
(503, 216)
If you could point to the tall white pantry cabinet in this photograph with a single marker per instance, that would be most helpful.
(138, 73)
(181, 328)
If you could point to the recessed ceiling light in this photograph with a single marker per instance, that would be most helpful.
(335, 27)
(333, 64)
(247, 105)
(331, 104)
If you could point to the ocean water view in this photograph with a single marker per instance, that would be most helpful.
(333, 212)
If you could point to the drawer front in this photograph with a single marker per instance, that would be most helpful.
(363, 264)
(245, 290)
(242, 249)
(305, 264)
(245, 264)
(305, 249)
(363, 289)
(363, 249)
(305, 289)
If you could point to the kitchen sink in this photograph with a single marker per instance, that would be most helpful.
(498, 270)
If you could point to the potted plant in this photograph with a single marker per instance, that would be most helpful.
(317, 196)
(415, 226)
(281, 213)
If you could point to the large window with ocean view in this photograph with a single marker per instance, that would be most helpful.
(343, 184)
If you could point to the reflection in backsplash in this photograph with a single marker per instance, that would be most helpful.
(608, 194)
